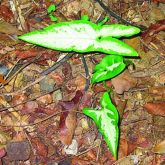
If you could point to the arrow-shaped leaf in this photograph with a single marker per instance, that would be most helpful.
(83, 36)
(109, 67)
(106, 120)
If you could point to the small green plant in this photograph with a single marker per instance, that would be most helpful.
(83, 36)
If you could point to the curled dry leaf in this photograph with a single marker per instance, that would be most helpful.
(68, 118)
(123, 82)
(155, 108)
(160, 148)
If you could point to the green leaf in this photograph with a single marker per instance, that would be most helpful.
(109, 67)
(106, 120)
(83, 36)
(51, 9)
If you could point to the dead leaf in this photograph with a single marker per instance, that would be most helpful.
(8, 28)
(154, 28)
(80, 82)
(18, 151)
(4, 138)
(133, 42)
(99, 87)
(2, 152)
(155, 108)
(2, 79)
(68, 118)
(160, 148)
(46, 99)
(157, 90)
(41, 148)
(29, 107)
(86, 100)
(159, 1)
(6, 13)
(18, 99)
(125, 148)
(123, 82)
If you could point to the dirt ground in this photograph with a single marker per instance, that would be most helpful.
(41, 119)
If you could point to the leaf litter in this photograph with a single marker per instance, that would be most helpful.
(48, 113)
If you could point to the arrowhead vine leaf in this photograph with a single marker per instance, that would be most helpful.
(83, 36)
(109, 67)
(106, 120)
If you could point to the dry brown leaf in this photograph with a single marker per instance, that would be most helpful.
(66, 134)
(46, 99)
(125, 148)
(18, 99)
(80, 82)
(155, 108)
(41, 148)
(160, 148)
(123, 82)
(2, 79)
(68, 120)
(8, 28)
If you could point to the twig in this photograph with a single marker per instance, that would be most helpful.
(57, 64)
(43, 75)
(86, 72)
(40, 121)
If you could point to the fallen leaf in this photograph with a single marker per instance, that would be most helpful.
(18, 99)
(2, 152)
(18, 151)
(2, 79)
(29, 107)
(33, 52)
(155, 108)
(154, 28)
(80, 82)
(4, 138)
(6, 13)
(86, 100)
(19, 80)
(8, 28)
(160, 148)
(67, 70)
(125, 148)
(159, 1)
(46, 99)
(68, 118)
(41, 148)
(123, 82)
(99, 87)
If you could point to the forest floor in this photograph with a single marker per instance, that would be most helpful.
(40, 121)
